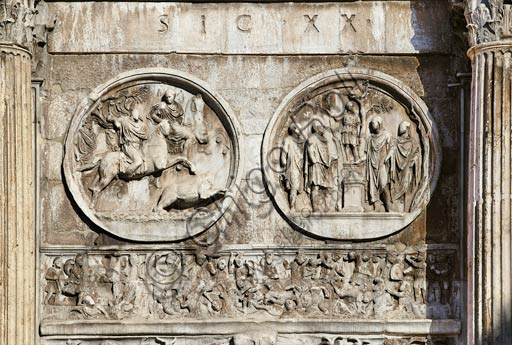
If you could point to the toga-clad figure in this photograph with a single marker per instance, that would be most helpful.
(405, 165)
(171, 110)
(291, 160)
(378, 150)
(317, 164)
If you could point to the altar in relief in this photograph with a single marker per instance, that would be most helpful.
(351, 154)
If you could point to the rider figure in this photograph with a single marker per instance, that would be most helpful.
(132, 132)
(169, 109)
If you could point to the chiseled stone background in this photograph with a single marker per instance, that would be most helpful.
(253, 55)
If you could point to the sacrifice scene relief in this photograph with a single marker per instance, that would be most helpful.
(349, 151)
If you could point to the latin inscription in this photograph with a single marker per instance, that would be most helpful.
(247, 28)
(203, 24)
(244, 23)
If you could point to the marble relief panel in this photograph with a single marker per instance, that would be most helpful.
(398, 282)
(149, 153)
(351, 154)
(154, 156)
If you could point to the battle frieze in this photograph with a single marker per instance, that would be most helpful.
(402, 283)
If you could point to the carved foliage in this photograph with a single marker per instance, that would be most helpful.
(488, 21)
(16, 22)
(22, 23)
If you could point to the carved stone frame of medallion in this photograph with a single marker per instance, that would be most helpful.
(181, 228)
(354, 225)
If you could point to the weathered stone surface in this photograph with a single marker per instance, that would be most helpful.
(99, 285)
(153, 150)
(376, 27)
(490, 193)
(269, 284)
(17, 194)
(243, 95)
(345, 152)
(262, 336)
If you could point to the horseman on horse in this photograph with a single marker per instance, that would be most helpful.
(147, 150)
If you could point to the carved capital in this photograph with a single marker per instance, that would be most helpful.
(17, 22)
(24, 24)
(488, 20)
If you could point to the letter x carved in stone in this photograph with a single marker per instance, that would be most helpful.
(311, 23)
(349, 21)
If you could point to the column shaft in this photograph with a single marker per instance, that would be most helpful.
(17, 204)
(490, 193)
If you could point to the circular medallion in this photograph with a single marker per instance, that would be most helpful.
(351, 154)
(153, 155)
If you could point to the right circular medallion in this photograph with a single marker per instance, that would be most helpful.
(351, 154)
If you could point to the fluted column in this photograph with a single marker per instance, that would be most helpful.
(489, 224)
(17, 235)
(17, 164)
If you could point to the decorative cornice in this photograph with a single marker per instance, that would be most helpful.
(213, 327)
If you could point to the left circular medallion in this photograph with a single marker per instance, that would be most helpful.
(153, 155)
